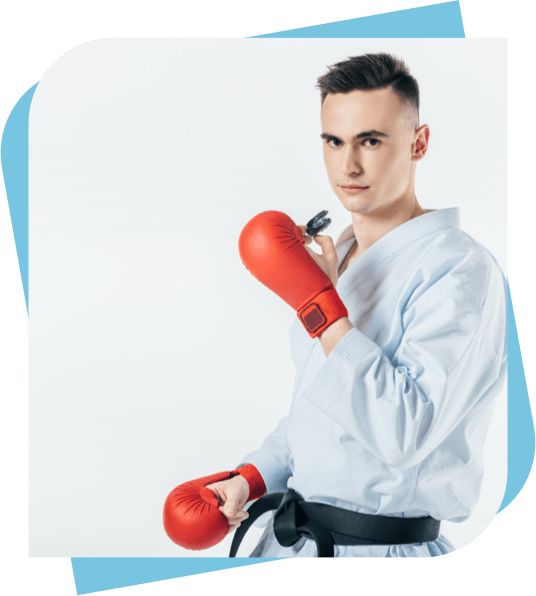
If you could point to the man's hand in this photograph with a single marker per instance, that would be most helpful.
(193, 515)
(328, 261)
(272, 247)
(233, 494)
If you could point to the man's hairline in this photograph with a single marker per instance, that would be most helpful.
(406, 106)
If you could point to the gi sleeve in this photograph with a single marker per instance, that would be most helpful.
(452, 354)
(272, 459)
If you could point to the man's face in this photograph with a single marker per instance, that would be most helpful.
(369, 148)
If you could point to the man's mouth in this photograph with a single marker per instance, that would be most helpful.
(352, 189)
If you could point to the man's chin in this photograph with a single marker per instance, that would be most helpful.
(354, 205)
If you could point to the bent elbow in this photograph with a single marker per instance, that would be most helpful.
(402, 456)
(413, 443)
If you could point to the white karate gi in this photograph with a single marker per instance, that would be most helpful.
(394, 420)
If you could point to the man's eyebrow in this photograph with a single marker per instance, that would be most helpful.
(361, 135)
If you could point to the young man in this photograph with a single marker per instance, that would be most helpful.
(392, 403)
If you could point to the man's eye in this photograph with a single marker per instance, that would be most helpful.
(371, 142)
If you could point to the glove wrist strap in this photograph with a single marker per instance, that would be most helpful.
(257, 488)
(323, 311)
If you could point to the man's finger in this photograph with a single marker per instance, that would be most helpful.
(306, 238)
(326, 244)
(231, 507)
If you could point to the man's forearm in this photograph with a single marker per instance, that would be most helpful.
(333, 334)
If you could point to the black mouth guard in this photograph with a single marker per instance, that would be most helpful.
(318, 223)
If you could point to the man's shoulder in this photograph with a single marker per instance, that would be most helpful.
(457, 264)
(455, 246)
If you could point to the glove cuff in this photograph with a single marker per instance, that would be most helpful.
(257, 488)
(325, 309)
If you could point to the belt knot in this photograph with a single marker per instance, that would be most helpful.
(288, 518)
(291, 522)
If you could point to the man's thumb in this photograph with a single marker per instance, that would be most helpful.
(231, 506)
(326, 243)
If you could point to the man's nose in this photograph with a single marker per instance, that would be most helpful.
(351, 165)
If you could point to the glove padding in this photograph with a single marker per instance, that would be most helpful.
(271, 248)
(192, 518)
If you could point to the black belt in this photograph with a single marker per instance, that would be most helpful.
(328, 525)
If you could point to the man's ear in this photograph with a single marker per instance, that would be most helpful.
(420, 145)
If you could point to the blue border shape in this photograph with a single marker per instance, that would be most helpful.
(14, 152)
(97, 575)
(439, 20)
(100, 574)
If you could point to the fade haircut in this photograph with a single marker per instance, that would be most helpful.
(371, 71)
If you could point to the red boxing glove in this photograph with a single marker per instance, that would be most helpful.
(192, 518)
(271, 248)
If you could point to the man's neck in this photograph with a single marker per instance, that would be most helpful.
(370, 227)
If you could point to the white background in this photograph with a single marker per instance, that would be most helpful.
(155, 356)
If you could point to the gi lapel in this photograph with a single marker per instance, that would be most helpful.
(391, 243)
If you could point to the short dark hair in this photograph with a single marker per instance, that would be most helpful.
(371, 71)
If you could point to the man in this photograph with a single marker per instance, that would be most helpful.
(391, 403)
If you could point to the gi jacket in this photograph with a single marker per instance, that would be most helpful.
(393, 421)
